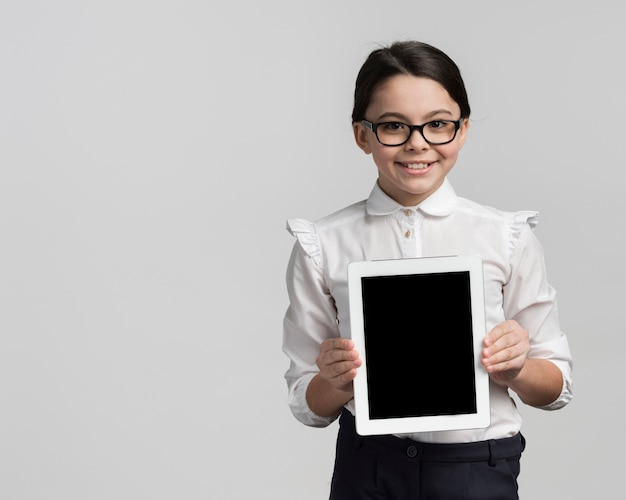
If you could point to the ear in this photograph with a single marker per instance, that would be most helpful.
(361, 137)
(462, 133)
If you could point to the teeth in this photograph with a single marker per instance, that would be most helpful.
(416, 166)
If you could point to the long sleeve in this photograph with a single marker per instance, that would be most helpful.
(529, 299)
(309, 320)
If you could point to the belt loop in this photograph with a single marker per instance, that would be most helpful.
(358, 441)
(493, 453)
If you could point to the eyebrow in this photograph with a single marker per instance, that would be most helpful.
(431, 114)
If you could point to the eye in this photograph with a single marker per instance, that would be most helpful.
(393, 127)
(438, 124)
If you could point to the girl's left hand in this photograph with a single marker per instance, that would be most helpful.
(505, 352)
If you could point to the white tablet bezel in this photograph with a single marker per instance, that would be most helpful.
(429, 265)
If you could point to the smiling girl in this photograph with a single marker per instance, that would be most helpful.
(411, 114)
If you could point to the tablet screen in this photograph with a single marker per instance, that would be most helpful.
(428, 319)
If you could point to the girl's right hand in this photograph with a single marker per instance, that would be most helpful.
(338, 362)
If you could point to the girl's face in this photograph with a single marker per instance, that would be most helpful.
(413, 171)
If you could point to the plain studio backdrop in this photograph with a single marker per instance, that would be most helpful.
(150, 153)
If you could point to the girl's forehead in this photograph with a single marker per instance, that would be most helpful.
(414, 95)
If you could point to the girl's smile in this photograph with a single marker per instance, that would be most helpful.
(411, 172)
(416, 166)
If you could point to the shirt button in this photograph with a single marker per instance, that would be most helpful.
(411, 451)
(408, 233)
(407, 213)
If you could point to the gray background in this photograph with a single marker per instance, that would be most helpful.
(150, 153)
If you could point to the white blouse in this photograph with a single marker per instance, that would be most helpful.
(516, 287)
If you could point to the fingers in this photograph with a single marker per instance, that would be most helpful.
(506, 348)
(501, 330)
(336, 349)
(338, 361)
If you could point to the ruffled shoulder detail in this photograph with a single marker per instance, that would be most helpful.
(518, 221)
(306, 234)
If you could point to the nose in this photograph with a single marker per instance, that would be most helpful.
(416, 141)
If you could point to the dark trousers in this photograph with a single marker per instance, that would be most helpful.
(391, 468)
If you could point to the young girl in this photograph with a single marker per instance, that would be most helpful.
(411, 114)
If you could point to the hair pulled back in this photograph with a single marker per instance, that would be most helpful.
(408, 58)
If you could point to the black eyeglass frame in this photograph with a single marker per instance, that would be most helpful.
(420, 128)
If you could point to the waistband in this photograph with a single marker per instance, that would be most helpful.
(479, 451)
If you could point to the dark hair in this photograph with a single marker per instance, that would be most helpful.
(408, 58)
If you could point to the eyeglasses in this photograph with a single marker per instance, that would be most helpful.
(436, 133)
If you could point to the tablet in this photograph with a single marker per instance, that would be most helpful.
(418, 325)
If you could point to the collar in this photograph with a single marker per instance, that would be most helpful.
(440, 203)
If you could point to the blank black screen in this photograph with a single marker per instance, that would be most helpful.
(419, 346)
